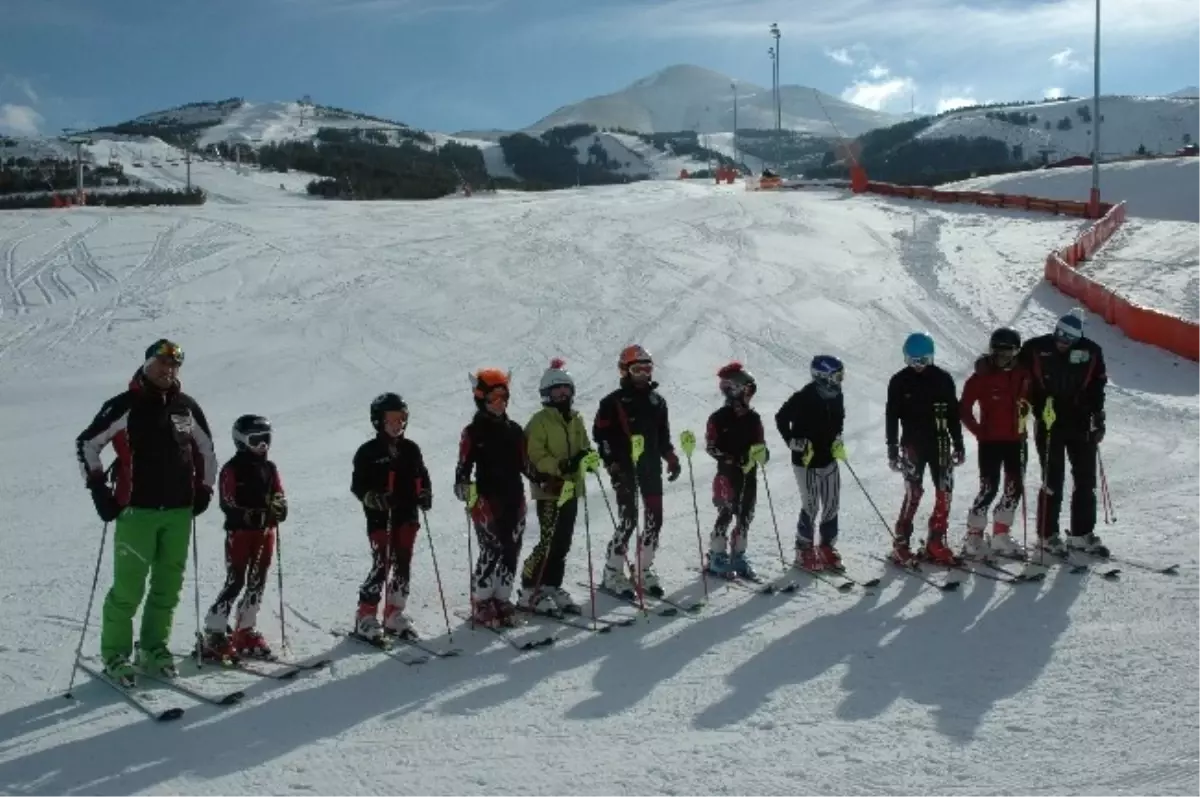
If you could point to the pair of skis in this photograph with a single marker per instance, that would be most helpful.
(152, 703)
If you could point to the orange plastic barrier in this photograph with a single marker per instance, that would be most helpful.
(1143, 324)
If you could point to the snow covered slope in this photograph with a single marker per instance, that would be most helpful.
(1160, 124)
(685, 97)
(305, 311)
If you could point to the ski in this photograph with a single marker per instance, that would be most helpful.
(384, 646)
(584, 625)
(287, 670)
(1168, 570)
(757, 585)
(915, 570)
(228, 699)
(630, 598)
(418, 644)
(837, 580)
(1065, 560)
(504, 633)
(148, 704)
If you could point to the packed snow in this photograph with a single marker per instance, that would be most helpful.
(1159, 124)
(304, 311)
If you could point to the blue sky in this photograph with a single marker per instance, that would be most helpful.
(469, 64)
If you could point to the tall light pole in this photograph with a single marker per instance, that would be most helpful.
(1094, 203)
(774, 94)
(779, 94)
(733, 86)
(72, 136)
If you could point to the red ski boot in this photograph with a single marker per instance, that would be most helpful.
(216, 646)
(251, 645)
(937, 552)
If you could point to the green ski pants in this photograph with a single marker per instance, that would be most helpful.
(146, 542)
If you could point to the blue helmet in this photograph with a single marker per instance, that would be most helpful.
(827, 369)
(918, 349)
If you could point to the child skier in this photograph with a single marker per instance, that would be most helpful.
(493, 446)
(635, 408)
(392, 483)
(557, 442)
(922, 423)
(254, 503)
(734, 438)
(1000, 386)
(811, 423)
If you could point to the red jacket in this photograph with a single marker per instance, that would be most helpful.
(1000, 394)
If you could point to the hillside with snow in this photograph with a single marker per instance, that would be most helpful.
(305, 310)
(685, 97)
(1160, 125)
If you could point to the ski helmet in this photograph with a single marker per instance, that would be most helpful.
(556, 376)
(385, 403)
(918, 349)
(490, 388)
(736, 383)
(635, 363)
(828, 372)
(1004, 345)
(166, 349)
(252, 433)
(1069, 328)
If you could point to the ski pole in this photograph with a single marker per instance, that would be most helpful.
(870, 500)
(88, 614)
(687, 441)
(637, 446)
(196, 583)
(279, 578)
(386, 565)
(589, 463)
(437, 574)
(774, 520)
(1105, 495)
(472, 497)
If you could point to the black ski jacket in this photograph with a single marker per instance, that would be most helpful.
(163, 445)
(247, 482)
(920, 403)
(808, 415)
(628, 411)
(1075, 379)
(380, 460)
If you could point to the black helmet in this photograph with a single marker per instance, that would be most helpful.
(1005, 338)
(386, 402)
(252, 433)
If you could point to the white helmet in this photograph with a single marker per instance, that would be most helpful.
(556, 376)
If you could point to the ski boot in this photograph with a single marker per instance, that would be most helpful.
(719, 564)
(506, 613)
(615, 580)
(902, 554)
(1002, 542)
(216, 646)
(396, 623)
(742, 567)
(650, 583)
(366, 624)
(974, 546)
(830, 558)
(809, 558)
(538, 600)
(157, 661)
(937, 552)
(250, 644)
(1052, 545)
(484, 613)
(120, 671)
(566, 604)
(1088, 544)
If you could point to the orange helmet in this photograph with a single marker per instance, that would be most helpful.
(633, 356)
(486, 381)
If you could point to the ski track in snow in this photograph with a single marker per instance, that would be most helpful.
(304, 311)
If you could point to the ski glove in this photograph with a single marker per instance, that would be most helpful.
(425, 499)
(893, 455)
(376, 500)
(804, 448)
(106, 503)
(462, 491)
(201, 501)
(573, 464)
(278, 506)
(673, 467)
(838, 449)
(1097, 430)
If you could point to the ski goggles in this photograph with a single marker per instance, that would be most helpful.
(496, 398)
(640, 369)
(258, 441)
(923, 360)
(560, 393)
(166, 350)
(834, 377)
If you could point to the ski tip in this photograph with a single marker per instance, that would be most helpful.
(871, 584)
(1111, 574)
(950, 586)
(232, 698)
(170, 714)
(845, 586)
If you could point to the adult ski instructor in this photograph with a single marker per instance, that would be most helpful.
(165, 470)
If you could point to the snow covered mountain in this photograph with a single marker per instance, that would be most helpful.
(1156, 125)
(686, 97)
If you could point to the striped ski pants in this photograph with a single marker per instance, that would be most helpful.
(820, 492)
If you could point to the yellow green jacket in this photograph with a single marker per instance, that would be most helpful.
(550, 438)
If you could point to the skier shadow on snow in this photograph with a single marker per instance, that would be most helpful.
(963, 657)
(628, 668)
(210, 743)
(814, 648)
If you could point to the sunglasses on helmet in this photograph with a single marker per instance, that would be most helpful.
(169, 351)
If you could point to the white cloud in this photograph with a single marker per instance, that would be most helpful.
(1065, 59)
(878, 72)
(20, 120)
(1053, 93)
(950, 103)
(874, 94)
(841, 56)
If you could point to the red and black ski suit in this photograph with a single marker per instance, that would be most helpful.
(729, 434)
(392, 483)
(627, 411)
(493, 446)
(1003, 396)
(1072, 383)
(254, 504)
(924, 404)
